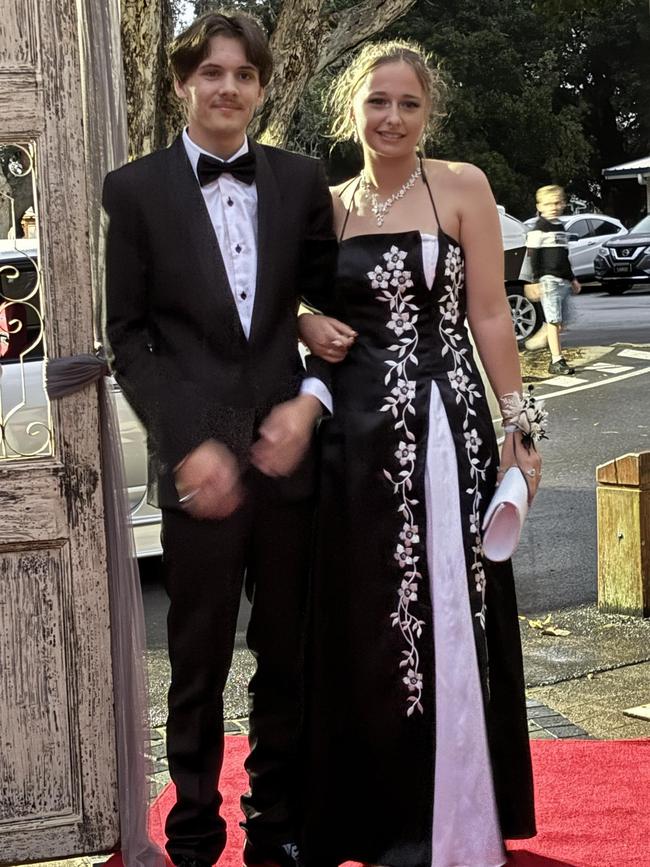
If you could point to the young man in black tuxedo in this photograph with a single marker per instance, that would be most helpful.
(211, 244)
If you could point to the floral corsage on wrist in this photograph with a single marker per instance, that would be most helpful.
(526, 414)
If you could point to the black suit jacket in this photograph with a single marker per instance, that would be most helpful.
(175, 339)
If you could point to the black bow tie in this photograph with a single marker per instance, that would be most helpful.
(243, 168)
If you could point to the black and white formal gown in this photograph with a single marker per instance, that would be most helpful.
(417, 746)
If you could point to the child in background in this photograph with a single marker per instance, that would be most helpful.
(549, 255)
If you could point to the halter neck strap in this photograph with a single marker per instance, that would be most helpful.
(425, 181)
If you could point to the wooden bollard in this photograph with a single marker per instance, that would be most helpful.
(623, 499)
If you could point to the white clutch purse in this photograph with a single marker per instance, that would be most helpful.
(505, 516)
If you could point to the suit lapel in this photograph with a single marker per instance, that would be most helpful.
(269, 236)
(188, 201)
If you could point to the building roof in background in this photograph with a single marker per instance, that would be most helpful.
(629, 170)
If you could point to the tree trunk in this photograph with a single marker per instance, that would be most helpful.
(295, 43)
(305, 41)
(147, 27)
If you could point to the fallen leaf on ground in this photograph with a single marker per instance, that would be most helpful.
(540, 624)
(555, 630)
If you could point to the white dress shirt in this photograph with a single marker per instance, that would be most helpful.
(232, 207)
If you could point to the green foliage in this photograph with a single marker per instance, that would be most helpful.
(609, 75)
(265, 10)
(541, 91)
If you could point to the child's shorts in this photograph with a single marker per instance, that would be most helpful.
(555, 299)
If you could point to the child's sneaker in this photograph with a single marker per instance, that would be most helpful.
(561, 367)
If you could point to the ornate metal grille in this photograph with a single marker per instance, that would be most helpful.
(25, 417)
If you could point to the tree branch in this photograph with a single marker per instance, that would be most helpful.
(358, 23)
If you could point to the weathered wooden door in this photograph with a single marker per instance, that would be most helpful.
(58, 792)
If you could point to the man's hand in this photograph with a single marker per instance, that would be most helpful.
(285, 435)
(575, 287)
(208, 483)
(325, 337)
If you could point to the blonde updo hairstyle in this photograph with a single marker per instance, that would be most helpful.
(373, 55)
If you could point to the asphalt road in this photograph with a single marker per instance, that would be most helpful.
(556, 563)
(602, 320)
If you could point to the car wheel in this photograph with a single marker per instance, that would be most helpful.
(526, 315)
(615, 288)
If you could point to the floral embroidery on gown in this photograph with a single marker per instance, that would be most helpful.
(411, 711)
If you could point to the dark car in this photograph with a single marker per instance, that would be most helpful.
(625, 261)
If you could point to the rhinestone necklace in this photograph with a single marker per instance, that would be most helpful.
(381, 209)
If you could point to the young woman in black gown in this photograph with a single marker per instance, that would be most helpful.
(417, 745)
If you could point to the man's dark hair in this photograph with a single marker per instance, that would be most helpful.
(191, 47)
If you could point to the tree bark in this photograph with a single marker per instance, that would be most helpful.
(305, 41)
(295, 42)
(357, 24)
(147, 27)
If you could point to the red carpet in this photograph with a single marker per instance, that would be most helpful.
(593, 805)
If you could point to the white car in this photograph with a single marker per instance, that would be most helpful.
(22, 393)
(22, 382)
(526, 315)
(586, 234)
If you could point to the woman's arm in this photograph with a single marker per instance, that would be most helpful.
(325, 337)
(488, 311)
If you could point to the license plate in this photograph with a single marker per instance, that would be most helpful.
(623, 269)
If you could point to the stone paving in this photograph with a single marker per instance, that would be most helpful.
(544, 723)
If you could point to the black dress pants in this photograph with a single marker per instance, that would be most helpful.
(267, 542)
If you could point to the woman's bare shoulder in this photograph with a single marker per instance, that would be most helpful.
(455, 175)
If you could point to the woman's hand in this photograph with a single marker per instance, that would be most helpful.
(515, 454)
(325, 337)
(285, 434)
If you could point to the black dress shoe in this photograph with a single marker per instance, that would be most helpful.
(285, 855)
